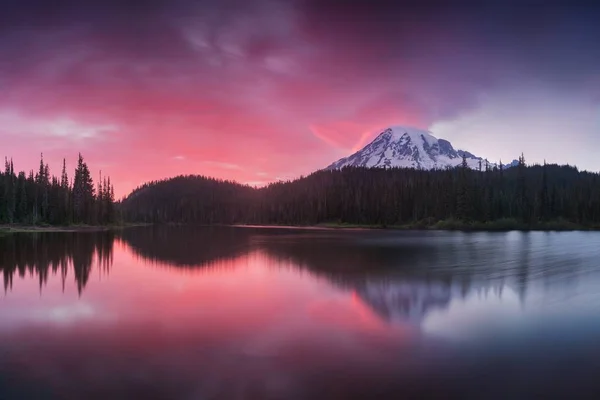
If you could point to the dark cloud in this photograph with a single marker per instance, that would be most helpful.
(446, 56)
(535, 34)
(439, 58)
(146, 43)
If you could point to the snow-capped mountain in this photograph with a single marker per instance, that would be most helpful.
(413, 300)
(408, 147)
(407, 301)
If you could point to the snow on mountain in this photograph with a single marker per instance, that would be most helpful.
(407, 301)
(412, 301)
(407, 147)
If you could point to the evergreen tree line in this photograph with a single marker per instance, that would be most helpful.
(525, 195)
(39, 198)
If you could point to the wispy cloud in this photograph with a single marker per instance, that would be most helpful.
(58, 127)
(223, 165)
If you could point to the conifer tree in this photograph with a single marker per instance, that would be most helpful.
(9, 192)
(41, 198)
(22, 207)
(65, 194)
(543, 201)
(462, 201)
(83, 192)
(523, 204)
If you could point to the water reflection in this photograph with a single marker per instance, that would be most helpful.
(404, 276)
(401, 276)
(186, 246)
(40, 255)
(180, 312)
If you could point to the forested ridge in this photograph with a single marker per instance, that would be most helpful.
(524, 196)
(39, 198)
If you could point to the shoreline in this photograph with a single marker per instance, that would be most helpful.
(17, 228)
(497, 226)
(305, 227)
(556, 226)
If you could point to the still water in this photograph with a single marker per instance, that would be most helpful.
(249, 313)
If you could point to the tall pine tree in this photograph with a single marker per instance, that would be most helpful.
(83, 193)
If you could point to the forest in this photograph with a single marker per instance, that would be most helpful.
(545, 196)
(37, 198)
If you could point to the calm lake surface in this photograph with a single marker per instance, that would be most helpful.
(248, 313)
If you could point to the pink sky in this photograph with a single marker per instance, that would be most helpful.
(261, 91)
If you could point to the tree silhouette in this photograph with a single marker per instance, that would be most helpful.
(382, 197)
(42, 198)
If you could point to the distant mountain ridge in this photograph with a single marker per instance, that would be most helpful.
(407, 147)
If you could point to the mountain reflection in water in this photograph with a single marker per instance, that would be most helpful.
(216, 312)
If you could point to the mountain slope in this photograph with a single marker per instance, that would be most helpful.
(408, 147)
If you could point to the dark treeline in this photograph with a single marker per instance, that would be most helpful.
(46, 254)
(522, 195)
(39, 198)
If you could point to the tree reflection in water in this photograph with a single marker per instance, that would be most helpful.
(42, 254)
(400, 275)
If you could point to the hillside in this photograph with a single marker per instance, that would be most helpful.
(525, 196)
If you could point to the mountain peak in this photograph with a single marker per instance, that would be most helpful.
(398, 131)
(408, 147)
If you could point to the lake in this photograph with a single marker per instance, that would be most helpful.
(257, 313)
